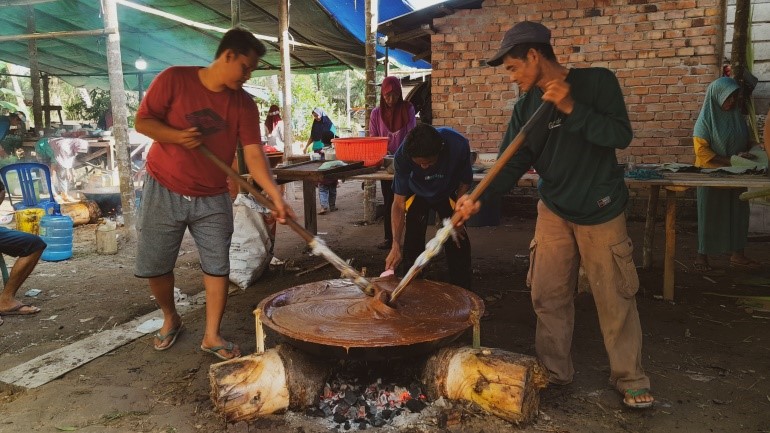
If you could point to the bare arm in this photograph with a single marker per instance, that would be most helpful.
(159, 131)
(398, 222)
(256, 162)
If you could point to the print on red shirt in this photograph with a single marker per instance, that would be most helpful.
(207, 121)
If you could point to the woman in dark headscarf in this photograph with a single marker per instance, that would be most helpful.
(723, 219)
(274, 128)
(394, 118)
(321, 124)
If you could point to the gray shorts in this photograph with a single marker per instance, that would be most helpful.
(163, 217)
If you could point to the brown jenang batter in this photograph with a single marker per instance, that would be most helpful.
(337, 313)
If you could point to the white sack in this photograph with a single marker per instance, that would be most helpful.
(252, 246)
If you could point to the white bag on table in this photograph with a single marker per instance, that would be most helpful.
(252, 246)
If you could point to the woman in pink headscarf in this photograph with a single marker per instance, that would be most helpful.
(394, 118)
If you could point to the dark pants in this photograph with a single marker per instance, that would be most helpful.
(387, 194)
(458, 258)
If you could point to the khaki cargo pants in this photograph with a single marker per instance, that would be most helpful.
(605, 251)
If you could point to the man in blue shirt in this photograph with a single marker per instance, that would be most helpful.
(432, 169)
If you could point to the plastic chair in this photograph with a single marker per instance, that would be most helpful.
(30, 198)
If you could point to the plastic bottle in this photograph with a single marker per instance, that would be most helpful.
(56, 230)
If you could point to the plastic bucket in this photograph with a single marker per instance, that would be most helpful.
(28, 220)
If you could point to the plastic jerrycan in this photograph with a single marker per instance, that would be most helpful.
(56, 230)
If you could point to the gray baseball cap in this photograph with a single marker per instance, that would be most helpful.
(520, 33)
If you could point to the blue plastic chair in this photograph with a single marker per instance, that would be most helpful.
(25, 173)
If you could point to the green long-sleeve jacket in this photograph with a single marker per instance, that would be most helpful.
(580, 179)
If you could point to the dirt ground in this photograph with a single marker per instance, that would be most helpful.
(708, 358)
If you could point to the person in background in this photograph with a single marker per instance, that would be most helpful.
(274, 128)
(394, 118)
(321, 125)
(27, 248)
(184, 108)
(723, 218)
(14, 120)
(432, 169)
(327, 188)
(582, 199)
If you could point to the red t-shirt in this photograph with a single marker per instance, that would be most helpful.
(178, 98)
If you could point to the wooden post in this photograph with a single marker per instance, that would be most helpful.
(738, 55)
(668, 264)
(308, 197)
(34, 72)
(649, 226)
(46, 101)
(283, 24)
(119, 115)
(370, 201)
(371, 8)
(347, 95)
(260, 331)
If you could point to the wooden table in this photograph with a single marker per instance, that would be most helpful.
(673, 182)
(308, 173)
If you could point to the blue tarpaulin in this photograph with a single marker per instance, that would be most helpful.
(351, 15)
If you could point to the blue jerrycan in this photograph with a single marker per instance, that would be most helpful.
(56, 230)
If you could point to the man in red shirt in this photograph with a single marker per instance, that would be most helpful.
(186, 107)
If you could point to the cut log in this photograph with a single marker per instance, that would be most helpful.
(254, 386)
(82, 212)
(502, 383)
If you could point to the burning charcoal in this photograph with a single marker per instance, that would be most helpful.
(326, 409)
(378, 422)
(327, 392)
(352, 412)
(415, 391)
(340, 418)
(350, 397)
(414, 405)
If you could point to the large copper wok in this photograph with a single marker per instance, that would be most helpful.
(335, 319)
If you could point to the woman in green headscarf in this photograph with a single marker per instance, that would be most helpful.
(723, 219)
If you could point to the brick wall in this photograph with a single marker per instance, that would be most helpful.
(663, 53)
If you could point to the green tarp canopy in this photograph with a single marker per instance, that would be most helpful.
(163, 42)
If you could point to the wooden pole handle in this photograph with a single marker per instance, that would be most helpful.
(507, 154)
(264, 201)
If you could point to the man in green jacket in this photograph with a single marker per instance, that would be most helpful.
(581, 212)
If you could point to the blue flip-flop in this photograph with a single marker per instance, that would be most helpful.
(215, 351)
(172, 334)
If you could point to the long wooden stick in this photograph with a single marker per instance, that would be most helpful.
(319, 248)
(498, 166)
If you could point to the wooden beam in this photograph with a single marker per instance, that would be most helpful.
(56, 35)
(23, 2)
(34, 72)
(423, 55)
(423, 30)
